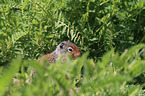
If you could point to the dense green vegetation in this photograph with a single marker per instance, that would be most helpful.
(109, 33)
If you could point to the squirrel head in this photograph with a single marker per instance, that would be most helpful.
(68, 47)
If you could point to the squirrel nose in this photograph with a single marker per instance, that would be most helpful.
(78, 54)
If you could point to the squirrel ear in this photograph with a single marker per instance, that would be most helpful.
(61, 45)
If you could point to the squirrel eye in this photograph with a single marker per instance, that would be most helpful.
(70, 49)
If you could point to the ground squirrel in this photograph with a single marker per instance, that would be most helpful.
(61, 50)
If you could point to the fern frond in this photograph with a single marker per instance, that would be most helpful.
(17, 36)
(14, 37)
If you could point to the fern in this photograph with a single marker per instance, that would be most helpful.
(14, 37)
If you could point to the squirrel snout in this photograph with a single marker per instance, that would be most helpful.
(77, 54)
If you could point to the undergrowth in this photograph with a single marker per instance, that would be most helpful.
(113, 75)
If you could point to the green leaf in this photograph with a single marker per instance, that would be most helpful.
(8, 73)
